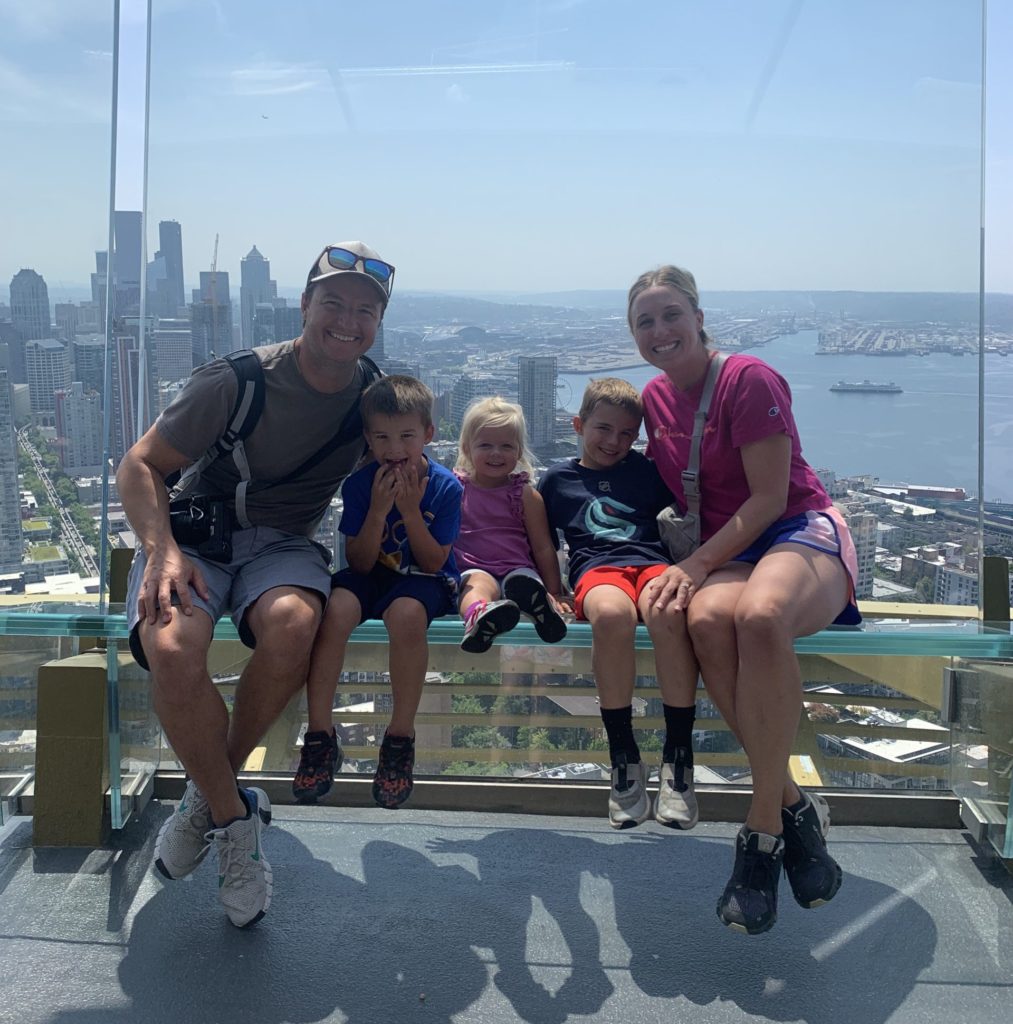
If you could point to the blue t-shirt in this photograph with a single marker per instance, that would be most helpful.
(441, 510)
(606, 517)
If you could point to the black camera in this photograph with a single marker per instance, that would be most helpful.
(203, 524)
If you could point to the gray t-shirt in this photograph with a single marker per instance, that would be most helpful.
(296, 422)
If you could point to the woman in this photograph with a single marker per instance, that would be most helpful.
(776, 562)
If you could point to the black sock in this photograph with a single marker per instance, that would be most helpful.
(619, 729)
(678, 732)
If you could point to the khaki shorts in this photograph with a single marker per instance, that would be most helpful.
(262, 558)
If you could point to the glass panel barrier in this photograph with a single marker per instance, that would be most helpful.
(982, 706)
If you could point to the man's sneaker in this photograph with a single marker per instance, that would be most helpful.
(629, 804)
(485, 621)
(749, 902)
(675, 805)
(244, 876)
(320, 759)
(813, 874)
(532, 598)
(181, 845)
(392, 783)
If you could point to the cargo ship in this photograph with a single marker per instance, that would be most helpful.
(867, 387)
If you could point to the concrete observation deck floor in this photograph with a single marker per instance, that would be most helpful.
(438, 916)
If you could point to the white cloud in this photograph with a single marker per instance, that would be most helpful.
(456, 95)
(278, 79)
(24, 97)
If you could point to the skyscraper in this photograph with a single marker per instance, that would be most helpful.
(255, 285)
(211, 317)
(30, 316)
(10, 505)
(48, 372)
(87, 362)
(170, 247)
(127, 261)
(79, 430)
(536, 388)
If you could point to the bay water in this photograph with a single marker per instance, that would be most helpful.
(926, 435)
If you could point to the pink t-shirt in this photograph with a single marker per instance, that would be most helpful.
(751, 401)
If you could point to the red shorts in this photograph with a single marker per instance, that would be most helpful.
(630, 579)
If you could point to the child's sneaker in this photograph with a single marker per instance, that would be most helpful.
(245, 880)
(676, 805)
(629, 805)
(532, 598)
(813, 874)
(392, 783)
(749, 902)
(320, 758)
(485, 621)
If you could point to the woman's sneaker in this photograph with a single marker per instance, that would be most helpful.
(321, 757)
(749, 902)
(393, 783)
(485, 622)
(532, 598)
(813, 874)
(245, 880)
(181, 845)
(629, 804)
(675, 805)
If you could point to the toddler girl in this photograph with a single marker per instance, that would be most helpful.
(505, 552)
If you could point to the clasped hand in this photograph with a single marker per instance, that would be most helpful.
(398, 485)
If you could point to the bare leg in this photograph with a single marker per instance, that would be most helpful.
(793, 591)
(406, 623)
(613, 618)
(479, 586)
(190, 709)
(675, 665)
(284, 620)
(341, 616)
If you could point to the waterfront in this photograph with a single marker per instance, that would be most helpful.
(928, 434)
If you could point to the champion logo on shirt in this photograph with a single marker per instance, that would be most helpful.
(604, 485)
(773, 411)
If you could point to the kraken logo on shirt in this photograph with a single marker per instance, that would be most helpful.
(604, 517)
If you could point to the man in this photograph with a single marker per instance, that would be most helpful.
(275, 581)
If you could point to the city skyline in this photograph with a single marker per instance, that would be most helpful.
(738, 142)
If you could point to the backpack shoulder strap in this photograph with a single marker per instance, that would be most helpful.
(246, 411)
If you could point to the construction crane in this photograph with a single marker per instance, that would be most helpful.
(214, 297)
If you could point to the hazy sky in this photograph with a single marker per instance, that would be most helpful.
(522, 145)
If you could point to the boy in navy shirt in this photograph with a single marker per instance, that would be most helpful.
(402, 513)
(605, 504)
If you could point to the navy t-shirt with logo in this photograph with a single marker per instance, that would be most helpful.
(607, 517)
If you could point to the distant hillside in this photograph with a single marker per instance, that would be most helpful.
(902, 307)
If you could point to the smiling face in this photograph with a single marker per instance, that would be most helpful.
(608, 433)
(342, 315)
(398, 440)
(493, 452)
(667, 329)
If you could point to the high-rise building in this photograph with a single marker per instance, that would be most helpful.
(263, 324)
(863, 526)
(65, 318)
(211, 317)
(288, 323)
(536, 389)
(30, 316)
(10, 505)
(87, 362)
(79, 430)
(126, 365)
(172, 350)
(127, 261)
(255, 285)
(472, 386)
(48, 372)
(170, 248)
(98, 285)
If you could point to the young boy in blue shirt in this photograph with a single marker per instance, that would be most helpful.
(605, 504)
(401, 515)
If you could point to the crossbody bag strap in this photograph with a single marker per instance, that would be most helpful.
(691, 474)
